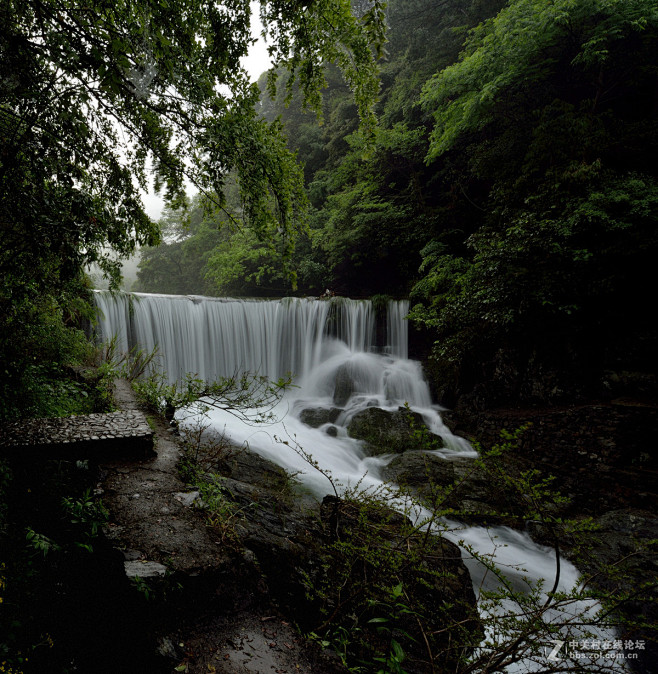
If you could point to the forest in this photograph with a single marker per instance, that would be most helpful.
(492, 162)
(508, 189)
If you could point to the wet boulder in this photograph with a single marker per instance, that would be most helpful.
(386, 561)
(420, 471)
(386, 432)
(344, 386)
(319, 416)
(472, 491)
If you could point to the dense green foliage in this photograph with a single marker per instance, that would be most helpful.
(535, 212)
(510, 188)
(96, 100)
(372, 200)
(549, 115)
(205, 254)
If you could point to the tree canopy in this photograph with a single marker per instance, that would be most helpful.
(509, 186)
(94, 98)
(98, 99)
(549, 117)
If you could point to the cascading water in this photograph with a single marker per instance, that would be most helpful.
(330, 348)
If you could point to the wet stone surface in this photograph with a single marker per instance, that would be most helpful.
(85, 435)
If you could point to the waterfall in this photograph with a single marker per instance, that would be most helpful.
(215, 337)
(326, 345)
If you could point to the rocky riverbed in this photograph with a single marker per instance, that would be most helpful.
(174, 586)
(604, 461)
(232, 595)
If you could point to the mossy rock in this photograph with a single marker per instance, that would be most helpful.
(419, 469)
(374, 548)
(386, 432)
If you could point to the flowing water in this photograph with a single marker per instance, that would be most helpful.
(343, 359)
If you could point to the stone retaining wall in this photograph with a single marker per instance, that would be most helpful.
(125, 433)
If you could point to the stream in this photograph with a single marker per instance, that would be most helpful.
(345, 357)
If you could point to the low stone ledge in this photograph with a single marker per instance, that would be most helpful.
(125, 433)
(144, 569)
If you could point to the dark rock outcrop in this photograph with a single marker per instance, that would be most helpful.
(603, 459)
(473, 492)
(302, 549)
(603, 455)
(373, 548)
(621, 542)
(419, 470)
(344, 386)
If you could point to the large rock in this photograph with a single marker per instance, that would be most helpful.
(334, 558)
(386, 432)
(459, 484)
(603, 455)
(473, 492)
(319, 416)
(481, 497)
(379, 567)
(420, 471)
(277, 524)
(344, 386)
(620, 557)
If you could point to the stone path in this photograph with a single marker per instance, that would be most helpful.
(211, 609)
(221, 617)
(92, 435)
(153, 519)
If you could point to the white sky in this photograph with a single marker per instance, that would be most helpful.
(258, 60)
(256, 63)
